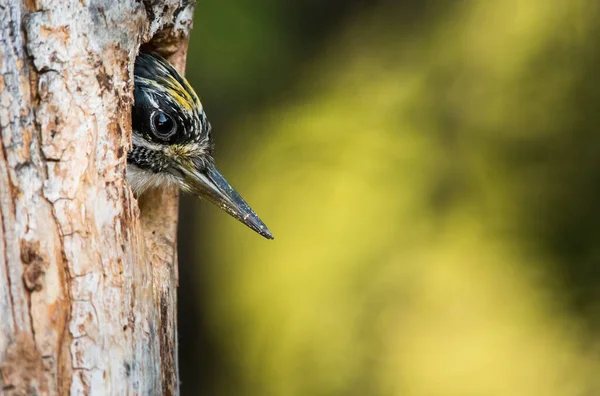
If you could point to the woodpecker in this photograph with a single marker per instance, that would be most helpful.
(172, 141)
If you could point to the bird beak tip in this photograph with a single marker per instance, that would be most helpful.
(267, 234)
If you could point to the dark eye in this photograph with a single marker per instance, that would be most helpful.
(163, 125)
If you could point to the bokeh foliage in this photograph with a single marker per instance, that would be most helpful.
(430, 173)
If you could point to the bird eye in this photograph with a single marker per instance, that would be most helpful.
(163, 125)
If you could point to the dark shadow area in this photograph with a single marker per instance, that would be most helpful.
(551, 145)
(560, 212)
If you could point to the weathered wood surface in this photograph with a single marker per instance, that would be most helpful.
(87, 283)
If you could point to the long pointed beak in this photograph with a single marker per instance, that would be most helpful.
(211, 185)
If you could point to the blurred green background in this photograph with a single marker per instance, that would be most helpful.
(431, 172)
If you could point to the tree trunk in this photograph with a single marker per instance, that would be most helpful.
(87, 278)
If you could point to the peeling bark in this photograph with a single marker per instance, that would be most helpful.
(87, 278)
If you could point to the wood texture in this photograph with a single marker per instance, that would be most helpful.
(87, 278)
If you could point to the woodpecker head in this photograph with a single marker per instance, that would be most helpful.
(172, 141)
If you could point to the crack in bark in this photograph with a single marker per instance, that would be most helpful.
(6, 255)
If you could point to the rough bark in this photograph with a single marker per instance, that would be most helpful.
(87, 278)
